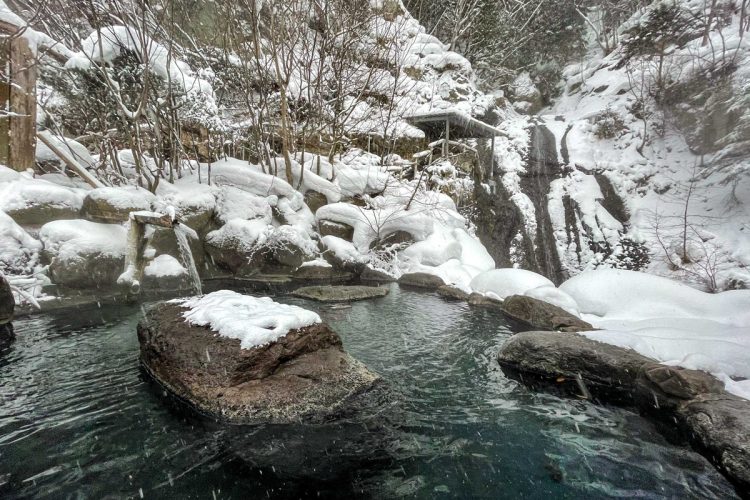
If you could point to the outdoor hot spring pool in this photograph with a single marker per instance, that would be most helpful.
(78, 420)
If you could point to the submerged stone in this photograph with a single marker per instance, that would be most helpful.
(304, 376)
(340, 293)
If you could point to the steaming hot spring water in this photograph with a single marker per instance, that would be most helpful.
(79, 419)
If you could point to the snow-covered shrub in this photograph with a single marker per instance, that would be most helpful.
(630, 254)
(608, 124)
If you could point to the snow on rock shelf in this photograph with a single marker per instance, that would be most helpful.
(252, 320)
(668, 321)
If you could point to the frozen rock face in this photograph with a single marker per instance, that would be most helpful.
(714, 421)
(304, 376)
(7, 305)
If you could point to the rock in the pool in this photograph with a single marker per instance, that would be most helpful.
(303, 375)
(330, 293)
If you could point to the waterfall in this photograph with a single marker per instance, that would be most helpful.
(182, 232)
(543, 168)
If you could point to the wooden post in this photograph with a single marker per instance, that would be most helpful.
(18, 99)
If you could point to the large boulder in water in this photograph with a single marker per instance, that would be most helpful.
(301, 376)
(691, 402)
(7, 306)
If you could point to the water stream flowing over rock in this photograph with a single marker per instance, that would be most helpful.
(542, 168)
(546, 214)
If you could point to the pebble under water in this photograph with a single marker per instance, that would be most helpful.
(79, 420)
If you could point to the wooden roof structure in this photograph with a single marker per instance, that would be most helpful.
(452, 125)
(461, 125)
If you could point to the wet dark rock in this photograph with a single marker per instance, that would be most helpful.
(395, 238)
(233, 256)
(421, 280)
(452, 293)
(375, 276)
(694, 403)
(303, 377)
(340, 293)
(330, 228)
(479, 300)
(7, 307)
(542, 315)
(315, 200)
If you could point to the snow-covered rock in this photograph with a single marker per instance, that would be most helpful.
(251, 360)
(668, 321)
(114, 204)
(84, 254)
(19, 252)
(165, 273)
(36, 202)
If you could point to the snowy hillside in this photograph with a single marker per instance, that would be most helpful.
(658, 176)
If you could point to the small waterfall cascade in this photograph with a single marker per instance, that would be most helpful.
(543, 168)
(182, 232)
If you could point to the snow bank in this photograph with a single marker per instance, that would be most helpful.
(668, 321)
(501, 283)
(707, 346)
(8, 174)
(234, 203)
(253, 321)
(614, 294)
(556, 297)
